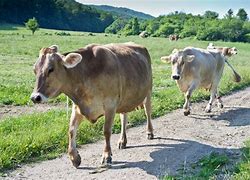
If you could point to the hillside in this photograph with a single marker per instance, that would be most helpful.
(55, 14)
(125, 12)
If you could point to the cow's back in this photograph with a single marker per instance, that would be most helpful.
(206, 66)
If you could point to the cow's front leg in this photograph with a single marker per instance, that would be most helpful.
(212, 97)
(107, 129)
(186, 106)
(123, 138)
(75, 120)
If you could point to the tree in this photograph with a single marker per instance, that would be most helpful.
(131, 28)
(32, 25)
(242, 14)
(229, 14)
(211, 15)
(135, 26)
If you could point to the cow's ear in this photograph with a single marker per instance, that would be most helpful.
(54, 49)
(189, 58)
(71, 60)
(165, 59)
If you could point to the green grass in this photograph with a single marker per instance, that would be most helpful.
(38, 136)
(242, 170)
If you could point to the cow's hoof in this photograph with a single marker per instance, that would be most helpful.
(220, 106)
(121, 145)
(76, 161)
(150, 136)
(208, 110)
(186, 113)
(107, 161)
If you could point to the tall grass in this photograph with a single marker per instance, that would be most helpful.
(36, 136)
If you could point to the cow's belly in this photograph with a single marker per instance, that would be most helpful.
(92, 109)
(131, 101)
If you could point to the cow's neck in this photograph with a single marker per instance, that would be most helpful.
(74, 89)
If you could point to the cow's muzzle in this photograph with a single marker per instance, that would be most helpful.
(176, 77)
(38, 98)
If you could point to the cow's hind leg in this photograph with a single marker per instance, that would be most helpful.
(212, 97)
(123, 138)
(107, 129)
(75, 120)
(148, 109)
(219, 101)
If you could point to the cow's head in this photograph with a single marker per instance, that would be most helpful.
(229, 51)
(178, 59)
(50, 70)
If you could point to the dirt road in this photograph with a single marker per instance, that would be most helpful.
(178, 142)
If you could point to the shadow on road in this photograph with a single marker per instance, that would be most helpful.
(170, 155)
(239, 116)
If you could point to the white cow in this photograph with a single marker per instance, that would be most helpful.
(226, 51)
(194, 68)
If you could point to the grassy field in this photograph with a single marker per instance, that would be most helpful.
(44, 135)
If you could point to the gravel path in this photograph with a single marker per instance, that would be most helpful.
(178, 142)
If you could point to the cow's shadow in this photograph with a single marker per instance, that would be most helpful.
(239, 116)
(168, 158)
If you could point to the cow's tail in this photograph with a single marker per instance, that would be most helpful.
(237, 77)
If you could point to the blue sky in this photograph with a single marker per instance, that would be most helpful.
(161, 7)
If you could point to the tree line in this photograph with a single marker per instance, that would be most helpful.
(202, 27)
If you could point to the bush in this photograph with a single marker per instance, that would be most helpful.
(62, 33)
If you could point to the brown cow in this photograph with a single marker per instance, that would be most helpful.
(100, 80)
(173, 37)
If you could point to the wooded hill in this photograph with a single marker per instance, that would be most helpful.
(123, 12)
(55, 14)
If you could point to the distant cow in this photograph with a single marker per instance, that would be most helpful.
(194, 68)
(143, 34)
(100, 80)
(173, 37)
(226, 51)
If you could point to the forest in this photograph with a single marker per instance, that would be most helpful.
(55, 14)
(207, 27)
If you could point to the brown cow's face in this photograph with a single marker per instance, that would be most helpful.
(178, 60)
(232, 51)
(50, 71)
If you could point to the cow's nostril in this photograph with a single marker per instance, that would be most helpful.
(176, 77)
(36, 98)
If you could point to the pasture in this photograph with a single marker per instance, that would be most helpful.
(44, 135)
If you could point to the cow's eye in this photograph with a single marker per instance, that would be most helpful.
(50, 70)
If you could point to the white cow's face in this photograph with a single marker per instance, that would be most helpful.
(177, 63)
(177, 60)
